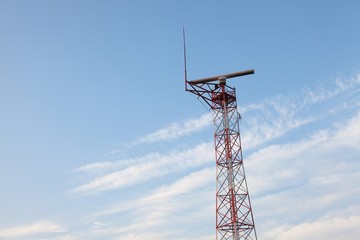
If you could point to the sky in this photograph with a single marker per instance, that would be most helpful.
(99, 139)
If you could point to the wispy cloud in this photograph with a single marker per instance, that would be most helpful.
(331, 229)
(291, 163)
(152, 212)
(274, 117)
(150, 166)
(176, 130)
(307, 179)
(25, 231)
(340, 86)
(164, 194)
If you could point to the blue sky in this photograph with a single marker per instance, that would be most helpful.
(99, 140)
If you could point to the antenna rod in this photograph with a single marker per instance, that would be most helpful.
(185, 72)
(229, 75)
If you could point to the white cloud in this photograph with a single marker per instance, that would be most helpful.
(276, 116)
(344, 228)
(156, 165)
(65, 237)
(166, 194)
(321, 93)
(291, 163)
(176, 130)
(302, 181)
(162, 210)
(31, 229)
(139, 235)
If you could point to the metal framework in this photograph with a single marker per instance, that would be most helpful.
(234, 217)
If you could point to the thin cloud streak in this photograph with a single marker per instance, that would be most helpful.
(309, 179)
(31, 229)
(166, 193)
(156, 166)
(176, 130)
(286, 162)
(278, 115)
(151, 212)
(343, 228)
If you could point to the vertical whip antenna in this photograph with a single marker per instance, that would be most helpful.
(185, 72)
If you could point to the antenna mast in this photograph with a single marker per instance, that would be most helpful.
(234, 216)
(185, 72)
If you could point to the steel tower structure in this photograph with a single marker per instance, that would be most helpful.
(234, 217)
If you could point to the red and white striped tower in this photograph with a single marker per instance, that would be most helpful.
(234, 217)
